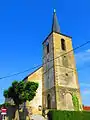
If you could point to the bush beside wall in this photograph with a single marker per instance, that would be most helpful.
(68, 115)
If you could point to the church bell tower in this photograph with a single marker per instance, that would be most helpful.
(60, 80)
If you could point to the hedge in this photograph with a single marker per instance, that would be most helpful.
(68, 115)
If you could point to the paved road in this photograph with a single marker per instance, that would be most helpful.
(37, 117)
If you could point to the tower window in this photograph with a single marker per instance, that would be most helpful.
(47, 45)
(63, 44)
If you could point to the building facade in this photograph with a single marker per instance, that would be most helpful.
(57, 77)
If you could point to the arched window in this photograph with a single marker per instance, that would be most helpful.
(63, 44)
(48, 101)
(68, 101)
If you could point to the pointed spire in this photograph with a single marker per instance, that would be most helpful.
(55, 24)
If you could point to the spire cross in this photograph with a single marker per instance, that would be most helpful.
(54, 10)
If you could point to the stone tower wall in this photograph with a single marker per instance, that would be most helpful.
(48, 83)
(66, 80)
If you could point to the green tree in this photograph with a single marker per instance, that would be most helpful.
(21, 92)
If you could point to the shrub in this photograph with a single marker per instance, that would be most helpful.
(68, 115)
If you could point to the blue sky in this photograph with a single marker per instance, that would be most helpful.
(24, 24)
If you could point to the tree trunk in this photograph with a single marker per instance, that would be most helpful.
(18, 113)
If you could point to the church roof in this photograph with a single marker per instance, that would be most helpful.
(32, 73)
(55, 24)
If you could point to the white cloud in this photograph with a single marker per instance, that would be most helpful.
(82, 57)
(88, 50)
(86, 92)
(84, 85)
(83, 60)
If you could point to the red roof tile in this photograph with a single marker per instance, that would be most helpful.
(87, 108)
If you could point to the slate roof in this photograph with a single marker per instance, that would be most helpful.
(55, 24)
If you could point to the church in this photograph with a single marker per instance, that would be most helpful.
(57, 77)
